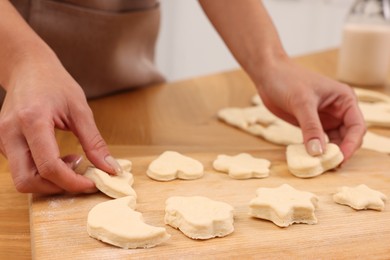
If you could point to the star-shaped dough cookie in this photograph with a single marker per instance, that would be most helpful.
(284, 205)
(242, 166)
(360, 197)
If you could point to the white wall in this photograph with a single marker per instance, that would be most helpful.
(189, 46)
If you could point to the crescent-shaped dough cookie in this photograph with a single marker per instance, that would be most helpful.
(116, 222)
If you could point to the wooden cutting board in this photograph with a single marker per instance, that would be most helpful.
(58, 223)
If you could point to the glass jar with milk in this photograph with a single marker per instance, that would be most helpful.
(364, 56)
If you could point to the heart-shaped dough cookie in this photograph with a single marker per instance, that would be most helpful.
(171, 165)
(199, 217)
(242, 166)
(114, 186)
(117, 223)
(303, 165)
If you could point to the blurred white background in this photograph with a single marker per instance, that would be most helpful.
(188, 45)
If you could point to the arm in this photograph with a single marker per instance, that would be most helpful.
(316, 103)
(42, 96)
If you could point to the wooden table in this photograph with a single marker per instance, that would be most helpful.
(163, 115)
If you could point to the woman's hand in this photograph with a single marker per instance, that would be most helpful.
(42, 96)
(316, 103)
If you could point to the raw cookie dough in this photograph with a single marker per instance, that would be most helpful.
(117, 223)
(367, 95)
(244, 117)
(114, 186)
(376, 114)
(375, 142)
(284, 205)
(259, 121)
(257, 101)
(199, 217)
(242, 166)
(303, 165)
(171, 165)
(278, 132)
(360, 197)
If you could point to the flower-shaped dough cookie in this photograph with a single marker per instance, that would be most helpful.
(117, 223)
(171, 165)
(303, 165)
(360, 197)
(114, 186)
(284, 205)
(199, 217)
(242, 166)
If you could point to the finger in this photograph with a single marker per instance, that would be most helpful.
(93, 143)
(313, 133)
(24, 173)
(354, 131)
(45, 153)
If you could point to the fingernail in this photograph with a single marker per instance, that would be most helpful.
(113, 164)
(76, 162)
(314, 147)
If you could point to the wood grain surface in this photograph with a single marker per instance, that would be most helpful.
(341, 232)
(180, 114)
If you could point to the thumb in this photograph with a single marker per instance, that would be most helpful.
(312, 131)
(94, 145)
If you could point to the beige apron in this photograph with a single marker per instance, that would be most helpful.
(106, 45)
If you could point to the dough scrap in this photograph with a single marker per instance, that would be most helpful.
(284, 205)
(279, 132)
(114, 186)
(199, 217)
(257, 101)
(375, 142)
(259, 121)
(244, 117)
(367, 95)
(360, 197)
(303, 165)
(242, 166)
(376, 114)
(117, 223)
(171, 165)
